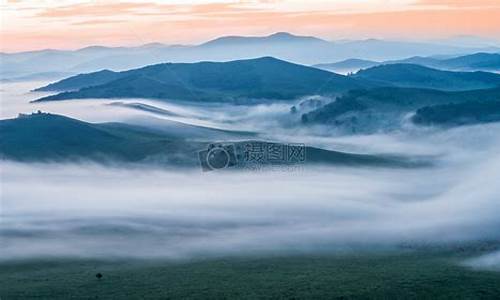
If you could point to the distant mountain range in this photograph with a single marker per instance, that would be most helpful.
(254, 80)
(387, 108)
(49, 138)
(278, 39)
(298, 49)
(471, 62)
(236, 81)
(38, 76)
(477, 61)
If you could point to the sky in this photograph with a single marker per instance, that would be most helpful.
(71, 24)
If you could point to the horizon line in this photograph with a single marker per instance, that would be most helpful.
(166, 45)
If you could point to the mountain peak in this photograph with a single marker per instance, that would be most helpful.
(153, 45)
(275, 37)
(95, 48)
(282, 34)
(286, 36)
(257, 79)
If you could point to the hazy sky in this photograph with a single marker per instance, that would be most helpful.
(28, 25)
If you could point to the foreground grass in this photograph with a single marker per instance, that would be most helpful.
(402, 275)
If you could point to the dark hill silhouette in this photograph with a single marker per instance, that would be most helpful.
(49, 137)
(242, 80)
(416, 76)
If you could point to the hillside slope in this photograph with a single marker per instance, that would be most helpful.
(49, 137)
(387, 108)
(262, 78)
(416, 76)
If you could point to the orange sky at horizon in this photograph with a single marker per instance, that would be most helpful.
(71, 24)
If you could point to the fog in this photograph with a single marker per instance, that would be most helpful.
(489, 262)
(89, 210)
(16, 98)
(272, 121)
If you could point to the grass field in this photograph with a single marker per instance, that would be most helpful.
(420, 274)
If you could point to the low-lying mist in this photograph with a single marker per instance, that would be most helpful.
(93, 211)
(16, 98)
(90, 210)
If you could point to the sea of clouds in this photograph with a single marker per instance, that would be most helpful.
(90, 210)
